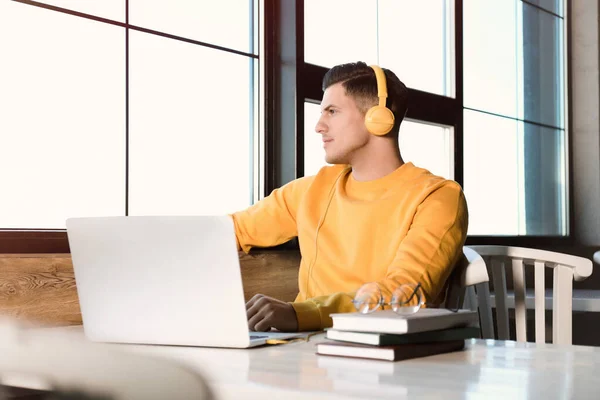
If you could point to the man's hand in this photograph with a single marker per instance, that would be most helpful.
(266, 312)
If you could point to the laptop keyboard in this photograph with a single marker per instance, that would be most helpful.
(257, 337)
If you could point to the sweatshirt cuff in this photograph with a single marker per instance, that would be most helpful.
(240, 247)
(308, 316)
(245, 249)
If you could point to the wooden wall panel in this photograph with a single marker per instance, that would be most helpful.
(40, 288)
(274, 274)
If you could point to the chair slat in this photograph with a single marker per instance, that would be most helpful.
(562, 299)
(470, 301)
(520, 310)
(485, 310)
(540, 300)
(498, 272)
(566, 269)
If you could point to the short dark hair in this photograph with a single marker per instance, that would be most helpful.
(360, 82)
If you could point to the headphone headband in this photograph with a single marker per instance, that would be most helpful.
(381, 85)
(379, 119)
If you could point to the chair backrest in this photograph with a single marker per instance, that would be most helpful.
(471, 271)
(64, 363)
(564, 267)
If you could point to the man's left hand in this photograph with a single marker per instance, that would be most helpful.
(266, 312)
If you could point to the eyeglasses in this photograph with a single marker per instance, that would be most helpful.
(406, 299)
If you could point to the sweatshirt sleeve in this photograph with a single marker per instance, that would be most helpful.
(428, 253)
(272, 220)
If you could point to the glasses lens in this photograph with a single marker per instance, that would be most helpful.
(407, 299)
(368, 298)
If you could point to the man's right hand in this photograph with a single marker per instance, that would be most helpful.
(265, 312)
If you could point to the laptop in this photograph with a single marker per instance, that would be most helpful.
(161, 280)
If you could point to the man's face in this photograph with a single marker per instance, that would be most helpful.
(342, 126)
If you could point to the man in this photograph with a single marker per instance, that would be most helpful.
(369, 218)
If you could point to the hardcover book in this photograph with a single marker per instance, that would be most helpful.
(387, 321)
(386, 339)
(389, 353)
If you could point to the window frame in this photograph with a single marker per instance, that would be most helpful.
(426, 107)
(38, 241)
(288, 83)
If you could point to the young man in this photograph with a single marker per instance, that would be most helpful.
(369, 218)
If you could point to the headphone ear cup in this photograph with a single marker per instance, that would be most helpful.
(379, 120)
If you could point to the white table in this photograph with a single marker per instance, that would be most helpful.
(486, 369)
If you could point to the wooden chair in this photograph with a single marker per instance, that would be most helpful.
(564, 267)
(470, 273)
(72, 368)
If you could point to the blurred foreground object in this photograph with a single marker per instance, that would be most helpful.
(71, 368)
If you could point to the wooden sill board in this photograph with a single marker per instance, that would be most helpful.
(41, 288)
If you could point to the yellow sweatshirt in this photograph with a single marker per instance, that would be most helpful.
(406, 227)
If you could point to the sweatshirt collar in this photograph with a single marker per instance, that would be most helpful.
(403, 173)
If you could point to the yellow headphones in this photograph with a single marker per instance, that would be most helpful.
(379, 120)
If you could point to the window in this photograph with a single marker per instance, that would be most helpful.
(151, 107)
(515, 159)
(113, 9)
(428, 66)
(487, 83)
(226, 23)
(62, 124)
(157, 114)
(189, 140)
(387, 33)
(428, 146)
(126, 108)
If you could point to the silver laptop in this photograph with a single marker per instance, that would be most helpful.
(161, 280)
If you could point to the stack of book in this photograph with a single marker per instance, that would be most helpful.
(386, 335)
